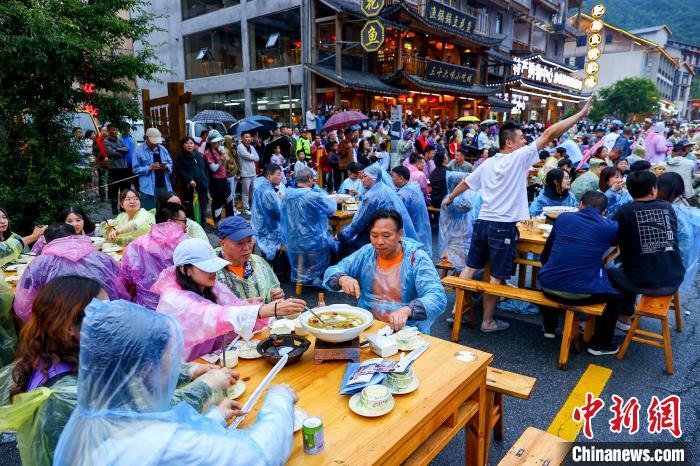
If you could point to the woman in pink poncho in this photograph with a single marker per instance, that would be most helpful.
(206, 309)
(66, 254)
(655, 144)
(148, 255)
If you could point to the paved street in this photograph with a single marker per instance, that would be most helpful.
(522, 349)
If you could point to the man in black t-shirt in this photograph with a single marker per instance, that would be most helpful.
(651, 260)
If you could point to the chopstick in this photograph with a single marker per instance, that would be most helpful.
(315, 315)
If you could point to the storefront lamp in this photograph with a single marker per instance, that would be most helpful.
(559, 104)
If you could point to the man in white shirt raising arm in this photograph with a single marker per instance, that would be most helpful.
(502, 182)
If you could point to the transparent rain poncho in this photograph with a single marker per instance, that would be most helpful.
(71, 255)
(456, 223)
(8, 335)
(418, 280)
(146, 257)
(265, 217)
(414, 201)
(10, 249)
(129, 363)
(203, 322)
(688, 220)
(137, 226)
(381, 195)
(305, 234)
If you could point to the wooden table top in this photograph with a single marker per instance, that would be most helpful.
(531, 235)
(350, 438)
(342, 214)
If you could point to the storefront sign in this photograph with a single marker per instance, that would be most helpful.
(371, 8)
(447, 17)
(372, 36)
(449, 73)
(545, 74)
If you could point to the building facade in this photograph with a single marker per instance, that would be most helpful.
(648, 53)
(426, 45)
(239, 56)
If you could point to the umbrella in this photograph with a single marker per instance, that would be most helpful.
(617, 122)
(343, 119)
(266, 121)
(244, 126)
(214, 115)
(469, 118)
(489, 122)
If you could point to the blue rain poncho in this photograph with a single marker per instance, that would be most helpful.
(616, 199)
(129, 363)
(544, 200)
(381, 195)
(414, 201)
(305, 234)
(688, 219)
(456, 223)
(573, 151)
(420, 285)
(265, 217)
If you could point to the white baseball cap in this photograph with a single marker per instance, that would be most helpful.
(154, 136)
(197, 252)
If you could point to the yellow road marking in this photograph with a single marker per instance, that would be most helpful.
(593, 380)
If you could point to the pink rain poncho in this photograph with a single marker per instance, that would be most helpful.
(204, 322)
(146, 257)
(655, 144)
(71, 255)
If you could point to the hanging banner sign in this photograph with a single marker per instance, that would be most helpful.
(449, 18)
(372, 36)
(372, 8)
(449, 73)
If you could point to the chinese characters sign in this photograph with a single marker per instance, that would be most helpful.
(371, 8)
(447, 17)
(661, 415)
(372, 36)
(449, 73)
(542, 73)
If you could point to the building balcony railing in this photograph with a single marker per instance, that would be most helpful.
(526, 3)
(564, 25)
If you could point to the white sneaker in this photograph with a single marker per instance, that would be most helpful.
(246, 212)
(622, 326)
(549, 336)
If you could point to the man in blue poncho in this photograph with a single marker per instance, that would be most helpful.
(573, 152)
(265, 218)
(392, 277)
(379, 194)
(409, 192)
(304, 219)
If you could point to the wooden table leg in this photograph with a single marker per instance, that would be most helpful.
(475, 430)
(566, 339)
(490, 401)
(459, 304)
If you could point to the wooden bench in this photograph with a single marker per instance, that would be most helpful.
(445, 267)
(571, 330)
(655, 307)
(536, 446)
(500, 382)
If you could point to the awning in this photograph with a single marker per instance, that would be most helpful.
(472, 91)
(527, 86)
(355, 80)
(499, 105)
(353, 9)
(499, 57)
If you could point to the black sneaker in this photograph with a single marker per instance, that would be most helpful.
(612, 348)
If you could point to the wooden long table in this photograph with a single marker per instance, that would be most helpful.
(531, 241)
(451, 397)
(340, 220)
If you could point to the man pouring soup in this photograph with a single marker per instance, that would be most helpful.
(391, 276)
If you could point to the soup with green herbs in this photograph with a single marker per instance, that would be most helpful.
(336, 320)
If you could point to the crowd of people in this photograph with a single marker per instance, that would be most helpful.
(104, 367)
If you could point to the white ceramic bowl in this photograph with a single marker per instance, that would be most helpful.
(337, 336)
(97, 243)
(545, 227)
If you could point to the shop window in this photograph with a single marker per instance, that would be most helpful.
(579, 62)
(192, 8)
(608, 38)
(275, 40)
(213, 52)
(581, 41)
(499, 23)
(274, 102)
(232, 102)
